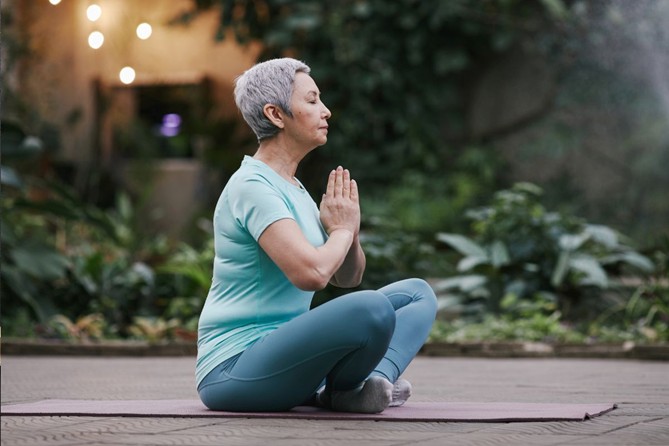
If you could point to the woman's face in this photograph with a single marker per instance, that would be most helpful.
(308, 126)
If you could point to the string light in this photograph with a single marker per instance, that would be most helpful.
(96, 39)
(127, 75)
(93, 12)
(144, 31)
(54, 2)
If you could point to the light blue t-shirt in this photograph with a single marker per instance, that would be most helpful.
(249, 295)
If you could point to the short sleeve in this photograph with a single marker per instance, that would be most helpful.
(255, 204)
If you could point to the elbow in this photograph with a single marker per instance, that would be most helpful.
(356, 282)
(350, 283)
(314, 280)
(357, 279)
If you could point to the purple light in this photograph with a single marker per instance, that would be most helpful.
(171, 125)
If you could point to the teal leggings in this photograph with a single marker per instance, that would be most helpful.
(340, 343)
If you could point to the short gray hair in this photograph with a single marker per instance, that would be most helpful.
(269, 82)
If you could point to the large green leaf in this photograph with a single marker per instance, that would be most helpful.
(631, 258)
(572, 242)
(463, 283)
(39, 261)
(469, 262)
(499, 255)
(603, 235)
(593, 272)
(462, 244)
(26, 290)
(561, 268)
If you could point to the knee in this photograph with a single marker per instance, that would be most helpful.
(380, 310)
(423, 293)
(374, 311)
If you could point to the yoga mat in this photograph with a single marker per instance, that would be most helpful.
(411, 411)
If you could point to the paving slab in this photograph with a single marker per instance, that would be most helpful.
(639, 387)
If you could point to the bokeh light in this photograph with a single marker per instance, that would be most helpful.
(94, 12)
(171, 125)
(144, 31)
(54, 2)
(96, 39)
(127, 75)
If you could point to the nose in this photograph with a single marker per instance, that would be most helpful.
(326, 112)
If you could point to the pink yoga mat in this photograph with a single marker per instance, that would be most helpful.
(411, 411)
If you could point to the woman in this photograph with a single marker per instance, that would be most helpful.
(260, 348)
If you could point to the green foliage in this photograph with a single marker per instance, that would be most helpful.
(394, 254)
(113, 286)
(61, 255)
(519, 250)
(71, 269)
(536, 328)
(30, 263)
(153, 329)
(394, 74)
(187, 275)
(424, 203)
(16, 147)
(85, 328)
(645, 314)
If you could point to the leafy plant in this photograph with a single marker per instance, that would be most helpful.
(538, 328)
(646, 313)
(153, 329)
(29, 256)
(30, 263)
(85, 328)
(186, 275)
(61, 255)
(520, 249)
(423, 202)
(112, 285)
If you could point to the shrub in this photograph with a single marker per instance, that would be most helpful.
(519, 249)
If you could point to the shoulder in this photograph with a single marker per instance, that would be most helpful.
(249, 179)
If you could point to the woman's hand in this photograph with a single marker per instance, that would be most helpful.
(340, 206)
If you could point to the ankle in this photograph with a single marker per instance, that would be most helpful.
(373, 396)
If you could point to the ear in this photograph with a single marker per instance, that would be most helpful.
(274, 114)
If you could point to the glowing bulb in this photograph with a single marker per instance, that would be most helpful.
(144, 31)
(127, 75)
(96, 39)
(94, 12)
(54, 2)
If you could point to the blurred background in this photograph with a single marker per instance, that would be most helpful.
(514, 153)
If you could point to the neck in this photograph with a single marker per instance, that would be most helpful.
(279, 157)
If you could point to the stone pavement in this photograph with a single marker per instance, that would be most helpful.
(641, 389)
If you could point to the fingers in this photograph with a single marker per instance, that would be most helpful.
(354, 191)
(340, 184)
(346, 185)
(329, 190)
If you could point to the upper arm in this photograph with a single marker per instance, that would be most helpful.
(284, 242)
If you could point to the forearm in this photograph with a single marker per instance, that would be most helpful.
(350, 272)
(331, 256)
